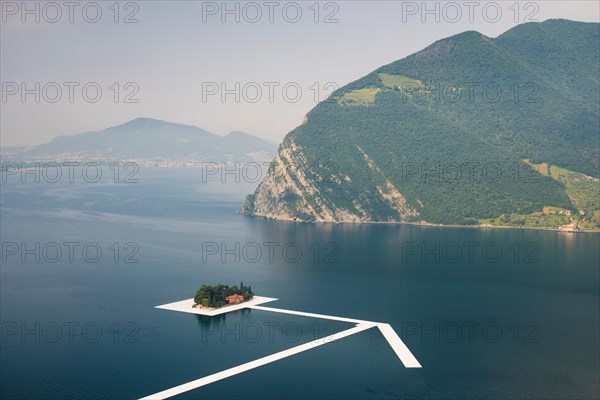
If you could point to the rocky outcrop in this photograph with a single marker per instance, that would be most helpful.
(290, 192)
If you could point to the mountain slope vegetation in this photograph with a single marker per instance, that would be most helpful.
(449, 135)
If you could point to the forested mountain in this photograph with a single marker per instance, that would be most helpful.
(147, 138)
(454, 134)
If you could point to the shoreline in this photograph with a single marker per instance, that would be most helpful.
(186, 306)
(200, 307)
(423, 224)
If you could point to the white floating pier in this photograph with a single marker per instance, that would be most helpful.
(403, 353)
(399, 347)
(187, 306)
(313, 315)
(255, 364)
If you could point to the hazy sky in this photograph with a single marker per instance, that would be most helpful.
(179, 55)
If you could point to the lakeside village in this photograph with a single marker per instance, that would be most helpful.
(217, 296)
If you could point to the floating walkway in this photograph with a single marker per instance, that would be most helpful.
(389, 333)
(403, 353)
(254, 364)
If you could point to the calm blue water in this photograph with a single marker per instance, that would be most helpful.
(488, 313)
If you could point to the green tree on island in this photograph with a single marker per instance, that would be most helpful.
(216, 296)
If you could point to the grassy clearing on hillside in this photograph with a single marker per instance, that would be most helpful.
(541, 168)
(400, 81)
(534, 220)
(591, 223)
(360, 97)
(584, 192)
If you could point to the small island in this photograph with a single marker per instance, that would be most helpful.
(212, 297)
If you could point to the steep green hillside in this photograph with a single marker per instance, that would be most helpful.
(441, 136)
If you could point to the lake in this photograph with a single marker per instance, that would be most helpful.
(489, 313)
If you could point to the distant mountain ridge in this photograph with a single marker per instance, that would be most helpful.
(370, 152)
(146, 138)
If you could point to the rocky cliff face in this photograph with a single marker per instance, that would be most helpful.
(290, 191)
